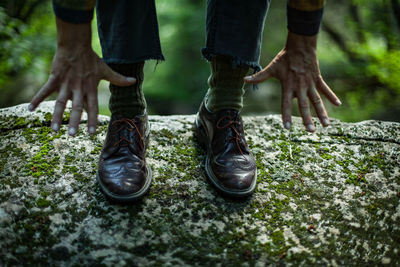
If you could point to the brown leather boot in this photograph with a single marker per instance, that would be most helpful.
(123, 175)
(229, 165)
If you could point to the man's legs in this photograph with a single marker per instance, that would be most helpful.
(234, 32)
(128, 32)
(234, 29)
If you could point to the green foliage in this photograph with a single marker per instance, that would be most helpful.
(182, 79)
(386, 67)
(27, 44)
(368, 36)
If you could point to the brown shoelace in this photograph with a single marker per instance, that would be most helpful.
(231, 123)
(125, 123)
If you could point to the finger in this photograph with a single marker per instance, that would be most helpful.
(286, 105)
(324, 88)
(318, 106)
(49, 87)
(59, 107)
(304, 108)
(92, 108)
(116, 78)
(76, 112)
(260, 76)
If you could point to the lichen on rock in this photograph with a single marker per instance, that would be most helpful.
(328, 198)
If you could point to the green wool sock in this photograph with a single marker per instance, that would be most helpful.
(225, 85)
(128, 101)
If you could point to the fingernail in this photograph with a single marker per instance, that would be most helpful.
(30, 107)
(338, 102)
(54, 127)
(130, 79)
(310, 127)
(287, 125)
(249, 78)
(92, 129)
(72, 131)
(325, 121)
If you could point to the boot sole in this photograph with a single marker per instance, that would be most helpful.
(201, 137)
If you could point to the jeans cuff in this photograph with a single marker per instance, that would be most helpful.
(236, 61)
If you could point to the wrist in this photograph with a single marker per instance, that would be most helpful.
(301, 42)
(72, 36)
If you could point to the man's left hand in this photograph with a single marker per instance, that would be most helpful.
(296, 67)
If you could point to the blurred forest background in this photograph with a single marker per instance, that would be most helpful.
(359, 53)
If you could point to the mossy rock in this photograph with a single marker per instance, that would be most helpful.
(328, 198)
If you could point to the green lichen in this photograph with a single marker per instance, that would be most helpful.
(19, 122)
(43, 203)
(289, 151)
(96, 150)
(278, 241)
(42, 164)
(47, 116)
(184, 221)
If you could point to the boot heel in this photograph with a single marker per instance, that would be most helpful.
(200, 133)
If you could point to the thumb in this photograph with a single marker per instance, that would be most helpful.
(260, 76)
(116, 78)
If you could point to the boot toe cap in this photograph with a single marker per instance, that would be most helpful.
(123, 182)
(234, 179)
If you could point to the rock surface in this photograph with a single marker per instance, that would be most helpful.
(328, 198)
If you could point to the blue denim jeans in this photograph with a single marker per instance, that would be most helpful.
(128, 30)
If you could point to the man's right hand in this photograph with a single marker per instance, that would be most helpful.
(75, 73)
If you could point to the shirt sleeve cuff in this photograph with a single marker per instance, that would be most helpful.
(304, 22)
(76, 16)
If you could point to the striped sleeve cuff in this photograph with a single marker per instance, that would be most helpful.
(70, 15)
(304, 22)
